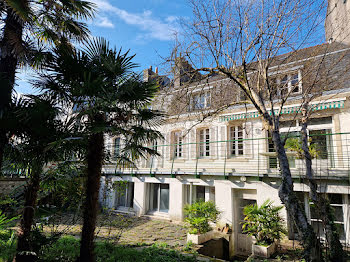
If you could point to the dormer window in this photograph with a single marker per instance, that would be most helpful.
(200, 101)
(289, 83)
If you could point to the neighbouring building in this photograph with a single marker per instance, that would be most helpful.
(228, 158)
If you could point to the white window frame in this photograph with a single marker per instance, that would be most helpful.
(204, 142)
(289, 86)
(177, 141)
(196, 102)
(116, 149)
(345, 208)
(297, 128)
(235, 141)
(153, 209)
(126, 195)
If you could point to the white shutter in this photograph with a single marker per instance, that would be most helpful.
(248, 142)
(167, 146)
(222, 145)
(184, 144)
(213, 142)
(193, 145)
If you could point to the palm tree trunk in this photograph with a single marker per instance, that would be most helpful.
(323, 206)
(12, 32)
(94, 161)
(3, 142)
(31, 195)
(12, 37)
(312, 246)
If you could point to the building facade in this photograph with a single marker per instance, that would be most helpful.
(216, 147)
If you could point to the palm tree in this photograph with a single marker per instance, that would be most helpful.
(28, 29)
(39, 129)
(108, 98)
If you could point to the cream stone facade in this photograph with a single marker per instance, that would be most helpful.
(227, 156)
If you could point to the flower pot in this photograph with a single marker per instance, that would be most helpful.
(200, 238)
(264, 251)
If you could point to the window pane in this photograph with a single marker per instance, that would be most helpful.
(155, 196)
(318, 228)
(335, 198)
(116, 147)
(130, 195)
(243, 203)
(320, 121)
(200, 193)
(121, 196)
(164, 197)
(338, 213)
(319, 141)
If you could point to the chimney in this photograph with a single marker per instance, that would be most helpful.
(156, 71)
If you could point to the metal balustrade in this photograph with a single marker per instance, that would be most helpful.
(331, 158)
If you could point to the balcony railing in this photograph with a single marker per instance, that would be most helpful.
(247, 157)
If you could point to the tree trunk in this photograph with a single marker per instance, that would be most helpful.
(3, 142)
(312, 246)
(12, 32)
(323, 206)
(31, 195)
(94, 161)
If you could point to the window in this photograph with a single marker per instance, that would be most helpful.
(336, 201)
(116, 148)
(288, 83)
(236, 140)
(204, 143)
(200, 101)
(204, 193)
(200, 193)
(321, 140)
(319, 131)
(177, 144)
(159, 197)
(125, 195)
(273, 161)
(242, 204)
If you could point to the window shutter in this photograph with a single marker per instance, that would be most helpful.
(184, 145)
(222, 145)
(193, 145)
(109, 147)
(248, 142)
(167, 143)
(213, 142)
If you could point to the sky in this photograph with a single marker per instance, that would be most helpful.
(146, 27)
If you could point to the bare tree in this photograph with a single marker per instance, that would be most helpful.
(248, 42)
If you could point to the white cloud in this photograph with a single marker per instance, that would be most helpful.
(151, 26)
(103, 21)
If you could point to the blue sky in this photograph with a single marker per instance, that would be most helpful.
(146, 27)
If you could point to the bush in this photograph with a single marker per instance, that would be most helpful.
(264, 223)
(199, 214)
(67, 249)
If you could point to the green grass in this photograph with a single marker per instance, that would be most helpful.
(67, 249)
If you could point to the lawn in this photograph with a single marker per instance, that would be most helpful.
(67, 249)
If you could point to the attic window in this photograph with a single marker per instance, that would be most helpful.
(199, 101)
(289, 84)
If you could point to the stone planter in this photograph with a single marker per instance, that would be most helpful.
(262, 251)
(200, 238)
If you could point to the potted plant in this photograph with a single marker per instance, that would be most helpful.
(266, 225)
(198, 216)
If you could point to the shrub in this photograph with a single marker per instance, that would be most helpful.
(67, 249)
(199, 214)
(264, 223)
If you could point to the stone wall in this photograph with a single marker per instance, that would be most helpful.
(7, 185)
